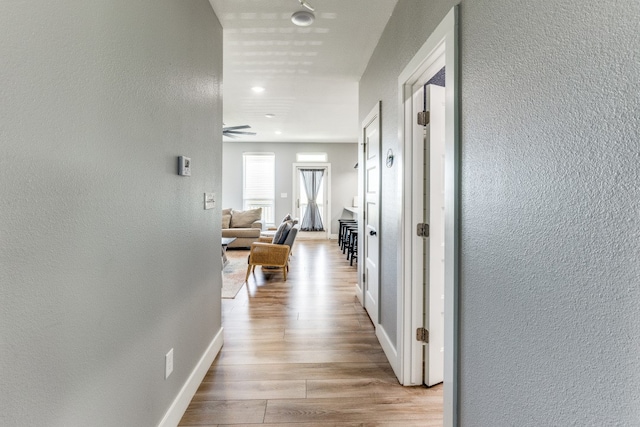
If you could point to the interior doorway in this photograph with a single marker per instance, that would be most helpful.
(415, 302)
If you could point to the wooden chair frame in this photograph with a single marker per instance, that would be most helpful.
(268, 255)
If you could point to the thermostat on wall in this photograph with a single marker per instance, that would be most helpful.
(184, 166)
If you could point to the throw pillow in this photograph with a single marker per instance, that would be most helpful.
(244, 219)
(281, 234)
(286, 218)
(226, 211)
(226, 221)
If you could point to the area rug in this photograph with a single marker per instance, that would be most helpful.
(234, 272)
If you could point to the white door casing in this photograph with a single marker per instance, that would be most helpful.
(368, 224)
(418, 249)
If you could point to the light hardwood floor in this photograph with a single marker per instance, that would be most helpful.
(304, 353)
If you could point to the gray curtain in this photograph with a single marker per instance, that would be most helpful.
(312, 179)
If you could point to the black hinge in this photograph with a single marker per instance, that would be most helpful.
(364, 277)
(422, 230)
(423, 118)
(422, 335)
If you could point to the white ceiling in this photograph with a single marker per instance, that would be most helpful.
(310, 74)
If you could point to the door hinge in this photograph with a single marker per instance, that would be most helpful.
(364, 278)
(422, 230)
(423, 118)
(422, 335)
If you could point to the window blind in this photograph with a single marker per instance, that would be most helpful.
(258, 187)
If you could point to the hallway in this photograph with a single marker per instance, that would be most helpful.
(304, 353)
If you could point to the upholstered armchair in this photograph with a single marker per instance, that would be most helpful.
(272, 255)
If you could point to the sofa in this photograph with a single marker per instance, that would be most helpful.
(245, 226)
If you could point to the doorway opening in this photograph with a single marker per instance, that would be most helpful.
(428, 265)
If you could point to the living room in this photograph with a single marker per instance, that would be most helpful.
(341, 178)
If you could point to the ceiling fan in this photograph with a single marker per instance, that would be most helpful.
(235, 131)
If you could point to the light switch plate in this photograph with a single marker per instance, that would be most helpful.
(209, 200)
(184, 166)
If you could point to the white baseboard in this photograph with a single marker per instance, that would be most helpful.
(182, 400)
(358, 292)
(389, 350)
(333, 237)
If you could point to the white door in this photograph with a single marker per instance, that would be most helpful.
(368, 234)
(429, 209)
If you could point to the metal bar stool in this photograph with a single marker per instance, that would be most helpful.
(353, 247)
(342, 231)
(346, 243)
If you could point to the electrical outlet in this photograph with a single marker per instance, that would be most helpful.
(168, 364)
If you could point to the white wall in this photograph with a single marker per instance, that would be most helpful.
(550, 279)
(344, 178)
(107, 258)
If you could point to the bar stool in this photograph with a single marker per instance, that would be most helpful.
(353, 247)
(343, 234)
(342, 231)
(346, 239)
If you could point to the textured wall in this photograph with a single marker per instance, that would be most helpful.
(107, 257)
(550, 325)
(550, 219)
(408, 29)
(344, 178)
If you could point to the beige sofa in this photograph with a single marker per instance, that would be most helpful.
(245, 226)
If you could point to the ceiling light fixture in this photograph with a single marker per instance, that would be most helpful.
(278, 132)
(269, 116)
(303, 18)
(257, 89)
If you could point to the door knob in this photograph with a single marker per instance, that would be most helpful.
(372, 233)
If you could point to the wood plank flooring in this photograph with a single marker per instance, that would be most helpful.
(304, 353)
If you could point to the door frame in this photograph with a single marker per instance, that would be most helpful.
(442, 43)
(326, 182)
(376, 112)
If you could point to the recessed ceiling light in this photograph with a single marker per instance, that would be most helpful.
(257, 89)
(303, 18)
(278, 132)
(269, 116)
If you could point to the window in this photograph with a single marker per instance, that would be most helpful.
(258, 184)
(311, 157)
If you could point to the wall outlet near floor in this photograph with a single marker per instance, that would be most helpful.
(168, 364)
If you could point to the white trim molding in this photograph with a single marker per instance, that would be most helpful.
(182, 400)
(388, 348)
(443, 42)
